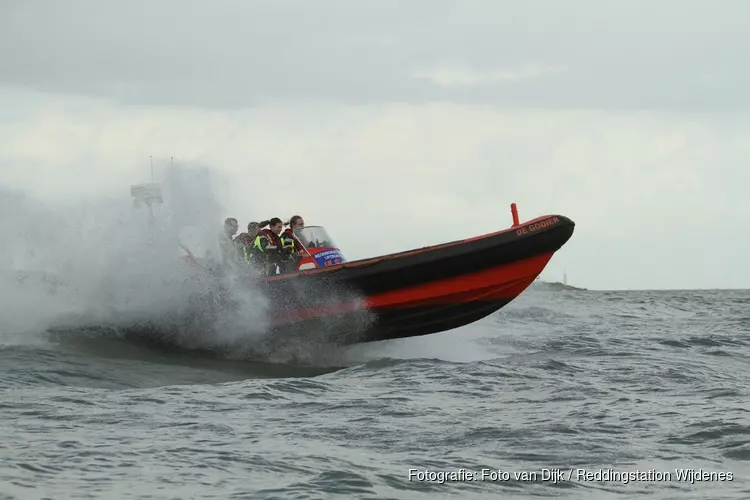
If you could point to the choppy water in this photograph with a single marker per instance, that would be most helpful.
(620, 381)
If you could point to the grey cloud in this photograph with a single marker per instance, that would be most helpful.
(636, 54)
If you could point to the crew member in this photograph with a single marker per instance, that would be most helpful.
(249, 255)
(269, 243)
(226, 243)
(293, 249)
(296, 222)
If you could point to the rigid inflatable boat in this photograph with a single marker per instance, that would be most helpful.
(411, 293)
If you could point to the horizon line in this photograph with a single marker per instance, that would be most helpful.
(679, 289)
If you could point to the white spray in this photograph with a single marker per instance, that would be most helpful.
(106, 263)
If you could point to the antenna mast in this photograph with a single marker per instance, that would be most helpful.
(147, 194)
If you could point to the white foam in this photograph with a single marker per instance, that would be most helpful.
(101, 261)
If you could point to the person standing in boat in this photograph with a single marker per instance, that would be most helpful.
(249, 255)
(292, 249)
(226, 242)
(269, 243)
(296, 222)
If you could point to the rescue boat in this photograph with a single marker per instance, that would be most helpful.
(411, 293)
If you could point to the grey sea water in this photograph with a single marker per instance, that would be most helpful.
(602, 394)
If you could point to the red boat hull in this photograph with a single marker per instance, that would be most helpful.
(418, 292)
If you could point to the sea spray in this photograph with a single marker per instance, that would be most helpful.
(103, 262)
(104, 267)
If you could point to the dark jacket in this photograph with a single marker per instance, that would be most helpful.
(279, 250)
(248, 254)
(288, 235)
(268, 245)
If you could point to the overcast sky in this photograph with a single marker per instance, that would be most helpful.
(402, 124)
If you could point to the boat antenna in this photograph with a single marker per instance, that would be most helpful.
(147, 194)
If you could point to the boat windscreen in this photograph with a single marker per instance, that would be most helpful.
(314, 237)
